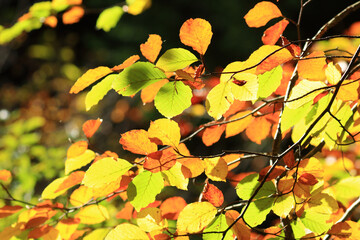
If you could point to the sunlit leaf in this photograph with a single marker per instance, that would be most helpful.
(160, 161)
(79, 161)
(259, 208)
(192, 167)
(283, 205)
(151, 48)
(347, 189)
(144, 188)
(138, 142)
(175, 58)
(73, 179)
(126, 231)
(91, 126)
(89, 77)
(273, 33)
(98, 91)
(240, 229)
(244, 86)
(96, 234)
(150, 219)
(137, 6)
(92, 214)
(9, 210)
(213, 195)
(312, 67)
(261, 13)
(108, 18)
(67, 227)
(175, 177)
(80, 196)
(5, 175)
(166, 131)
(219, 100)
(212, 134)
(219, 224)
(277, 171)
(346, 230)
(173, 98)
(246, 187)
(50, 191)
(348, 91)
(127, 63)
(104, 171)
(149, 93)
(76, 149)
(195, 217)
(258, 129)
(237, 127)
(171, 207)
(216, 168)
(73, 15)
(197, 34)
(303, 93)
(269, 82)
(333, 73)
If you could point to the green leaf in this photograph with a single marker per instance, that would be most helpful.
(109, 18)
(298, 228)
(41, 9)
(136, 77)
(347, 189)
(99, 233)
(98, 91)
(257, 211)
(269, 82)
(104, 171)
(175, 59)
(173, 98)
(283, 205)
(246, 187)
(316, 222)
(175, 177)
(290, 116)
(219, 100)
(217, 225)
(248, 91)
(143, 189)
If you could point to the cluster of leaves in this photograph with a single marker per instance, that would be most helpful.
(282, 90)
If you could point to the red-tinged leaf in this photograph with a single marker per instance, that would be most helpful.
(149, 93)
(294, 49)
(126, 212)
(105, 155)
(199, 70)
(73, 15)
(238, 126)
(196, 33)
(213, 195)
(288, 69)
(277, 171)
(150, 50)
(127, 63)
(5, 174)
(73, 179)
(34, 222)
(236, 107)
(212, 134)
(308, 179)
(312, 166)
(345, 230)
(91, 126)
(76, 149)
(160, 161)
(88, 78)
(320, 96)
(171, 207)
(234, 179)
(273, 33)
(312, 67)
(51, 21)
(276, 59)
(24, 17)
(261, 14)
(240, 229)
(39, 231)
(67, 227)
(138, 142)
(9, 210)
(289, 159)
(258, 130)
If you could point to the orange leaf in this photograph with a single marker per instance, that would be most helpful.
(261, 14)
(148, 94)
(127, 63)
(277, 171)
(126, 212)
(236, 107)
(237, 127)
(308, 179)
(73, 179)
(231, 157)
(74, 2)
(171, 207)
(196, 33)
(51, 21)
(272, 34)
(289, 159)
(277, 58)
(213, 195)
(312, 166)
(212, 134)
(73, 15)
(192, 167)
(346, 230)
(39, 231)
(150, 50)
(240, 229)
(160, 161)
(216, 168)
(288, 70)
(9, 210)
(91, 76)
(258, 130)
(294, 49)
(137, 141)
(67, 227)
(314, 67)
(348, 92)
(91, 126)
(76, 149)
(5, 174)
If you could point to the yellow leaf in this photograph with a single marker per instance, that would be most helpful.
(127, 231)
(165, 130)
(312, 66)
(244, 86)
(50, 191)
(197, 34)
(283, 205)
(81, 196)
(175, 177)
(195, 217)
(89, 77)
(216, 168)
(77, 162)
(219, 100)
(301, 95)
(67, 227)
(148, 94)
(138, 6)
(150, 219)
(99, 233)
(261, 14)
(92, 214)
(348, 92)
(237, 127)
(333, 73)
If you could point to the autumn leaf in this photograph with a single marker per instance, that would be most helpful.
(216, 168)
(348, 91)
(126, 212)
(67, 227)
(127, 63)
(333, 73)
(150, 219)
(73, 15)
(345, 230)
(240, 229)
(236, 127)
(176, 177)
(213, 194)
(109, 17)
(171, 207)
(91, 126)
(261, 14)
(192, 167)
(277, 171)
(312, 67)
(258, 129)
(303, 93)
(89, 77)
(9, 210)
(151, 48)
(138, 142)
(195, 217)
(92, 214)
(166, 131)
(98, 91)
(160, 161)
(308, 179)
(175, 59)
(79, 161)
(272, 34)
(212, 134)
(219, 100)
(196, 33)
(126, 231)
(149, 93)
(81, 196)
(76, 149)
(5, 175)
(73, 179)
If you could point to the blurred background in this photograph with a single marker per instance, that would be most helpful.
(39, 119)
